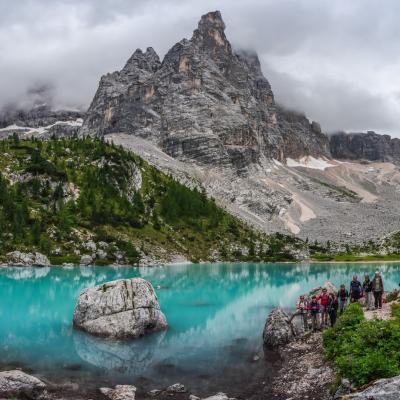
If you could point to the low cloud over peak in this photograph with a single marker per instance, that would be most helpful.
(336, 61)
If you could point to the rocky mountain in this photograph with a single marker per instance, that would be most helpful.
(40, 120)
(204, 102)
(206, 115)
(368, 146)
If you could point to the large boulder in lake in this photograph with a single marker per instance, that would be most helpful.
(278, 329)
(122, 309)
(18, 384)
(382, 389)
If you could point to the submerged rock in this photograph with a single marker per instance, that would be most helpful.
(122, 309)
(382, 389)
(121, 392)
(27, 259)
(18, 383)
(278, 329)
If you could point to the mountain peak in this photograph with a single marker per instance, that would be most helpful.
(211, 20)
(148, 60)
(210, 32)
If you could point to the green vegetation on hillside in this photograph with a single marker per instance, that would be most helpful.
(60, 194)
(361, 350)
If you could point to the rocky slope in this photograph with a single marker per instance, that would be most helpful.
(204, 102)
(85, 201)
(40, 121)
(364, 146)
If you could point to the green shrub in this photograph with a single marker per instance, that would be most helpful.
(362, 350)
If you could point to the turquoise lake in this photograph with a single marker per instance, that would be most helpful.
(216, 314)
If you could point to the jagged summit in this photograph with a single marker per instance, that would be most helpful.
(203, 103)
(148, 61)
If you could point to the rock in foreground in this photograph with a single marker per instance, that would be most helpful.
(278, 330)
(383, 389)
(121, 392)
(122, 309)
(17, 383)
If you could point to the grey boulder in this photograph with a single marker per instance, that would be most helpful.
(121, 392)
(121, 309)
(18, 383)
(278, 329)
(27, 259)
(382, 389)
(329, 286)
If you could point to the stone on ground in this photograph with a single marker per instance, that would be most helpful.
(121, 309)
(121, 392)
(382, 389)
(16, 383)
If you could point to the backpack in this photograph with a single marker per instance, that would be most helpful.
(343, 294)
(355, 288)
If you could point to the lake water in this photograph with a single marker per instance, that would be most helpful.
(216, 314)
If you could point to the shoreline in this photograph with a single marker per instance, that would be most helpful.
(171, 264)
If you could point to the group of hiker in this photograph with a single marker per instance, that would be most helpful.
(325, 305)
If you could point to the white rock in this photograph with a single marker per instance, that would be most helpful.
(126, 308)
(121, 392)
(86, 259)
(331, 288)
(28, 259)
(101, 254)
(176, 388)
(382, 389)
(218, 396)
(18, 383)
(90, 245)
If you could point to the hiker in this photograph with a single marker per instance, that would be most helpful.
(302, 310)
(377, 287)
(355, 289)
(367, 289)
(314, 311)
(324, 300)
(342, 296)
(333, 306)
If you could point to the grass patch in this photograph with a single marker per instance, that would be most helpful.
(361, 350)
(354, 257)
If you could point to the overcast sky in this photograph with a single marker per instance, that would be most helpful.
(337, 60)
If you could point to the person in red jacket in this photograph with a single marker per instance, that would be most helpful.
(324, 301)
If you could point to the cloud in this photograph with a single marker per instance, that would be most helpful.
(337, 61)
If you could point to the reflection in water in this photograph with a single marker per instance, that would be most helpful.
(216, 314)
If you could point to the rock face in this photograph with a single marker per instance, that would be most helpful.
(122, 309)
(278, 330)
(18, 383)
(365, 146)
(383, 389)
(37, 117)
(27, 259)
(203, 102)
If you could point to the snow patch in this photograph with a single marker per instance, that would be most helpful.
(42, 129)
(309, 162)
